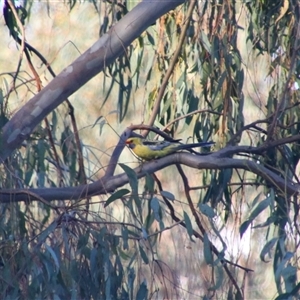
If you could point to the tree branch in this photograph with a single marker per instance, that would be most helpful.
(110, 183)
(110, 46)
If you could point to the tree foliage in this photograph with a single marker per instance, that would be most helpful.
(80, 220)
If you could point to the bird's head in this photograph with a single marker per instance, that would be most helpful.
(132, 142)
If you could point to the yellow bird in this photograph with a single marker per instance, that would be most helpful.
(148, 150)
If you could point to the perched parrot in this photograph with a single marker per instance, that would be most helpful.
(148, 150)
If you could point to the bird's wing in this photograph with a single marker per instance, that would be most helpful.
(157, 145)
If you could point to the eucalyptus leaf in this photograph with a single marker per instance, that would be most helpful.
(168, 195)
(208, 256)
(115, 196)
(189, 226)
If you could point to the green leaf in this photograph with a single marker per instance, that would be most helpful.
(267, 248)
(294, 292)
(41, 150)
(149, 184)
(289, 274)
(22, 223)
(53, 255)
(279, 269)
(219, 276)
(154, 203)
(168, 195)
(115, 196)
(189, 226)
(272, 219)
(82, 241)
(205, 41)
(125, 237)
(208, 256)
(142, 292)
(133, 180)
(144, 255)
(144, 233)
(150, 38)
(256, 200)
(207, 210)
(130, 280)
(47, 232)
(244, 227)
(260, 207)
(256, 211)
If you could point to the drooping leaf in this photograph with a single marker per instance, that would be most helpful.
(53, 255)
(267, 248)
(189, 226)
(207, 251)
(244, 227)
(143, 255)
(142, 291)
(207, 210)
(133, 181)
(117, 195)
(125, 237)
(156, 208)
(255, 212)
(45, 233)
(168, 195)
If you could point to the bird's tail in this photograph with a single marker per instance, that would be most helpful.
(195, 145)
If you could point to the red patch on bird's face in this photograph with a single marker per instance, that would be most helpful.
(130, 143)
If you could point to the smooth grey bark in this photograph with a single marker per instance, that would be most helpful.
(108, 184)
(109, 47)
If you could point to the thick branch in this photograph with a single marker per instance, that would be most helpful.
(108, 184)
(110, 46)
